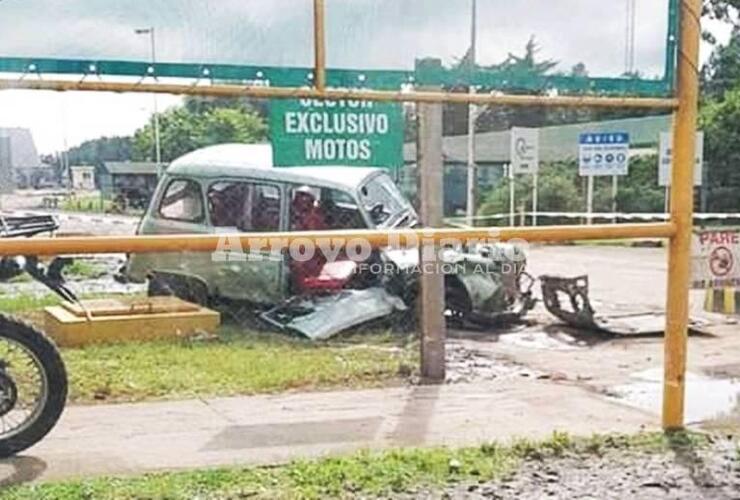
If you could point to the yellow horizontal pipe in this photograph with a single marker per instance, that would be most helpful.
(262, 92)
(210, 242)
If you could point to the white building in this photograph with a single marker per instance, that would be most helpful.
(83, 177)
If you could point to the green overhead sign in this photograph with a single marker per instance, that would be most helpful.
(353, 133)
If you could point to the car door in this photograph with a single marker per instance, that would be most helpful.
(180, 209)
(251, 273)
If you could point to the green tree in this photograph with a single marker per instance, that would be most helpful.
(203, 104)
(558, 191)
(183, 130)
(639, 191)
(97, 151)
(722, 10)
(720, 120)
(561, 189)
(722, 71)
(527, 64)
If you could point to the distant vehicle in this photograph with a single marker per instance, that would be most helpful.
(234, 188)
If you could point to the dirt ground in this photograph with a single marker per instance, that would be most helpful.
(710, 473)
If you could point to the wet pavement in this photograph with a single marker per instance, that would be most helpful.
(707, 397)
(270, 429)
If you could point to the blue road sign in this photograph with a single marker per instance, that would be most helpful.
(603, 153)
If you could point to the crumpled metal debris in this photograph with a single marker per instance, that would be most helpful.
(319, 317)
(568, 300)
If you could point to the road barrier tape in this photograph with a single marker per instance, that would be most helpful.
(722, 300)
(593, 215)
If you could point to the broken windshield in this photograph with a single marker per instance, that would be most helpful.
(383, 201)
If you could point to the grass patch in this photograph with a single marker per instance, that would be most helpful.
(359, 475)
(84, 269)
(79, 269)
(87, 204)
(27, 306)
(239, 362)
(23, 303)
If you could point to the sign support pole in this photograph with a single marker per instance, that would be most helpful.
(667, 200)
(590, 199)
(472, 110)
(431, 300)
(682, 205)
(472, 170)
(535, 189)
(511, 195)
(615, 191)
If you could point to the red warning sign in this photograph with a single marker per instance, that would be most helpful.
(721, 262)
(715, 259)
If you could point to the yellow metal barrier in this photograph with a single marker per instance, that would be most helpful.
(678, 229)
(682, 205)
(210, 242)
(261, 92)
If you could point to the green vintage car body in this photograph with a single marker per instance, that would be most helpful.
(478, 287)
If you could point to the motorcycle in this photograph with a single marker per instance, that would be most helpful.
(33, 379)
(33, 385)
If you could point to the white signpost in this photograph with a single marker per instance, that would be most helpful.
(525, 159)
(666, 160)
(602, 154)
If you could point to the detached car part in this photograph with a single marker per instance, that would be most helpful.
(568, 300)
(320, 317)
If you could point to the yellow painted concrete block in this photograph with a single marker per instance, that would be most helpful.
(127, 320)
(722, 300)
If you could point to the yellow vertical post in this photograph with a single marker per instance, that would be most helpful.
(682, 209)
(319, 45)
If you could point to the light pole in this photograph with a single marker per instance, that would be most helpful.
(157, 146)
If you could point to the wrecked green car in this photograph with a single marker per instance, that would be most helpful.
(230, 189)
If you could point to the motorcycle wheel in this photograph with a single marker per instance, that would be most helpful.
(33, 386)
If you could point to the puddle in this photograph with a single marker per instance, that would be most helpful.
(706, 397)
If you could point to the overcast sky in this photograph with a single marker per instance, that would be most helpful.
(361, 34)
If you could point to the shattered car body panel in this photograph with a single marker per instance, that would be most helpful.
(321, 317)
(568, 300)
(484, 284)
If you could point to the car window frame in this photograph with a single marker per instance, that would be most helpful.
(351, 192)
(247, 180)
(200, 219)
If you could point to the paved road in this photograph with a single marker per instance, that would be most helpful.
(134, 438)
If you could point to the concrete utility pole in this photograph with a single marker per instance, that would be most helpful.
(157, 146)
(472, 111)
(431, 194)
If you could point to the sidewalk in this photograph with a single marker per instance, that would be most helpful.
(146, 437)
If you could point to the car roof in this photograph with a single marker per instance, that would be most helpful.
(255, 161)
